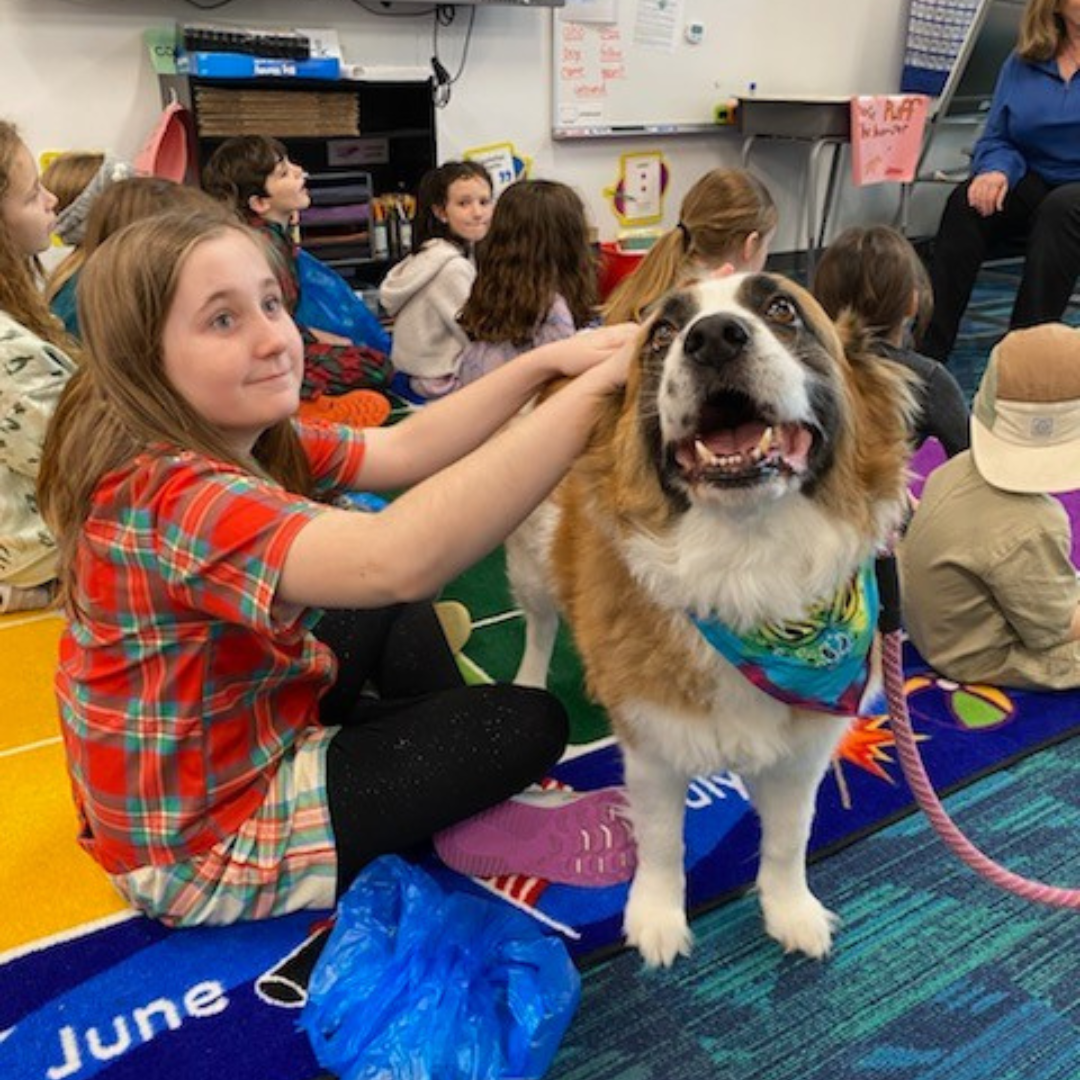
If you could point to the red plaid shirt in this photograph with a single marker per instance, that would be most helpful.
(183, 684)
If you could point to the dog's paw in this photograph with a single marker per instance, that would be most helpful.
(802, 924)
(659, 931)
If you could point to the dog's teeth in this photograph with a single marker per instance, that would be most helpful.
(766, 440)
(704, 455)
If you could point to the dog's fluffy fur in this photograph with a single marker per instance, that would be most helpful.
(682, 505)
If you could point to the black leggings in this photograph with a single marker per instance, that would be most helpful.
(427, 751)
(1046, 218)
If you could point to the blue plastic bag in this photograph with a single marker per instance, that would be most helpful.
(327, 303)
(419, 984)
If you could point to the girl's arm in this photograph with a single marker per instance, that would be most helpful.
(445, 524)
(447, 293)
(448, 428)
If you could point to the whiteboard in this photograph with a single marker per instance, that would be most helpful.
(622, 67)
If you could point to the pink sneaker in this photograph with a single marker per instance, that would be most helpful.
(572, 837)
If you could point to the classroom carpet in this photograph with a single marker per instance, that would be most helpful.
(89, 990)
(934, 975)
(975, 983)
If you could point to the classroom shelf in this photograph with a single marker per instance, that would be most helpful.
(339, 130)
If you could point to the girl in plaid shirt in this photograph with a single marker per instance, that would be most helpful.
(227, 756)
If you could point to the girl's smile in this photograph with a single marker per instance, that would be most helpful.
(229, 346)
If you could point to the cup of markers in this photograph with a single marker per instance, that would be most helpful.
(392, 225)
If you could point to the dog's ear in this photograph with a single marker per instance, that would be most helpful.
(868, 364)
(884, 410)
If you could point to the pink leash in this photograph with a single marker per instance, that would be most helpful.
(915, 772)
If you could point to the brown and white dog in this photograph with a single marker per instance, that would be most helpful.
(744, 479)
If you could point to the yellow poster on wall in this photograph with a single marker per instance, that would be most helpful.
(638, 196)
(503, 163)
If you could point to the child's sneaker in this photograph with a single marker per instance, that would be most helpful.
(571, 837)
(357, 408)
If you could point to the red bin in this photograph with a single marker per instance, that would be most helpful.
(615, 264)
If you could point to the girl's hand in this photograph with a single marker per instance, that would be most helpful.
(611, 374)
(986, 193)
(589, 348)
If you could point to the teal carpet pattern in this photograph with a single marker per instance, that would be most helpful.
(985, 322)
(936, 975)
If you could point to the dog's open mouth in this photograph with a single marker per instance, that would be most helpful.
(734, 444)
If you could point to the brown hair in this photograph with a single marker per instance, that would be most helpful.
(67, 175)
(719, 212)
(433, 191)
(873, 272)
(20, 274)
(119, 205)
(238, 169)
(120, 402)
(1041, 31)
(537, 248)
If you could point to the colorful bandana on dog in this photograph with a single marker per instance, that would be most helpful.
(820, 662)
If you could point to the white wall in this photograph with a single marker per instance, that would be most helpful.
(75, 74)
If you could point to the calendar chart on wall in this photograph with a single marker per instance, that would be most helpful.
(624, 67)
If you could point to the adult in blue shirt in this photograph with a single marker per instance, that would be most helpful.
(1025, 182)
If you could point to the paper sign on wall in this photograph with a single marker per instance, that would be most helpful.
(638, 197)
(502, 163)
(886, 137)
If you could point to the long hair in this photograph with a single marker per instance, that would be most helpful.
(717, 216)
(873, 272)
(118, 205)
(20, 274)
(120, 402)
(238, 169)
(537, 247)
(433, 191)
(67, 175)
(1041, 30)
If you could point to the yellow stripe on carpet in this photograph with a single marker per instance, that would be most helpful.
(51, 884)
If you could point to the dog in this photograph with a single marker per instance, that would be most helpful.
(735, 492)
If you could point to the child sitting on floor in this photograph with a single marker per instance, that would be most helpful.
(253, 174)
(728, 218)
(425, 292)
(35, 365)
(535, 277)
(989, 592)
(118, 205)
(877, 275)
(227, 756)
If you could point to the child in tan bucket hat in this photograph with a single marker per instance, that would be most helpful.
(989, 591)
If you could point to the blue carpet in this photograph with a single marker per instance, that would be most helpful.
(965, 732)
(985, 323)
(936, 975)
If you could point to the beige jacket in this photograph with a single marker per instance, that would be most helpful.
(32, 375)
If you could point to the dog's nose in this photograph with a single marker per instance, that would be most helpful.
(716, 339)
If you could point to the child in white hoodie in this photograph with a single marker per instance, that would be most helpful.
(425, 292)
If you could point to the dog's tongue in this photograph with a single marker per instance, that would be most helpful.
(737, 440)
(789, 441)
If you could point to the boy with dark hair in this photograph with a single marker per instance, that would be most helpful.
(253, 174)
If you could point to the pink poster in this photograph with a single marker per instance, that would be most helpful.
(886, 137)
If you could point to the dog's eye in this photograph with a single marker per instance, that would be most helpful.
(663, 334)
(782, 310)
